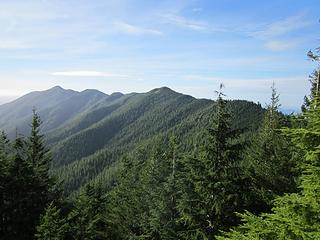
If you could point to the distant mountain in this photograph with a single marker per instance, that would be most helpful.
(56, 106)
(89, 131)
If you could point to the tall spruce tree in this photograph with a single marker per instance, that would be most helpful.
(20, 192)
(215, 187)
(39, 159)
(270, 159)
(160, 185)
(52, 226)
(87, 220)
(127, 203)
(25, 183)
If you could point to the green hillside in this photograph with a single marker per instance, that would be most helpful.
(90, 132)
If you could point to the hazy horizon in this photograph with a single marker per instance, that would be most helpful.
(8, 99)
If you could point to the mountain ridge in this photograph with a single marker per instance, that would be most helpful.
(89, 132)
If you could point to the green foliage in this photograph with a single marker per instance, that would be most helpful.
(271, 159)
(214, 186)
(130, 179)
(52, 225)
(296, 215)
(159, 113)
(25, 183)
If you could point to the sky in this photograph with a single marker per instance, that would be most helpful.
(190, 46)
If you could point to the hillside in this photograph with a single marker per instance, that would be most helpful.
(56, 106)
(111, 126)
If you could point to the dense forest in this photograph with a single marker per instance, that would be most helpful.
(162, 165)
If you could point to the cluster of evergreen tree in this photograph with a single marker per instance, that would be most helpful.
(26, 187)
(294, 215)
(167, 193)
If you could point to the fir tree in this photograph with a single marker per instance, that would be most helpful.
(4, 177)
(87, 216)
(270, 159)
(215, 187)
(52, 225)
(161, 186)
(19, 195)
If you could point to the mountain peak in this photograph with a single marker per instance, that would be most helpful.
(162, 89)
(56, 88)
(117, 94)
(93, 91)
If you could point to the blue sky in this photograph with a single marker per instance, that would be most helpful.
(134, 46)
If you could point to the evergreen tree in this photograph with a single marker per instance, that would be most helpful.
(19, 195)
(214, 187)
(39, 159)
(161, 186)
(25, 183)
(127, 204)
(87, 216)
(4, 175)
(270, 159)
(52, 225)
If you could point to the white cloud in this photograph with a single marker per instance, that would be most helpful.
(87, 74)
(135, 30)
(277, 35)
(280, 45)
(186, 23)
(281, 27)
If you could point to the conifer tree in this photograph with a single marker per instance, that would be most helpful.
(39, 159)
(19, 195)
(161, 186)
(4, 167)
(270, 159)
(25, 183)
(127, 204)
(214, 187)
(87, 217)
(52, 225)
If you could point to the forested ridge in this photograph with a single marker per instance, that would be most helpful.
(163, 165)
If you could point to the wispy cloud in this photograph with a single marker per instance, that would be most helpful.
(279, 35)
(135, 30)
(277, 45)
(184, 22)
(87, 74)
(281, 27)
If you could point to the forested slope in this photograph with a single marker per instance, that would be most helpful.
(89, 131)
